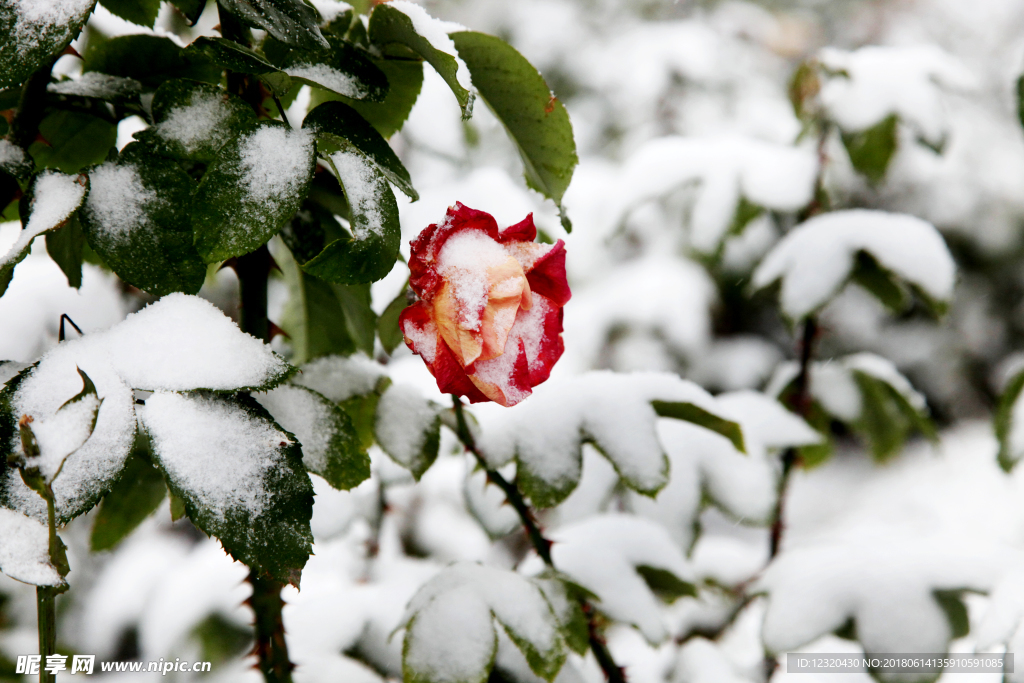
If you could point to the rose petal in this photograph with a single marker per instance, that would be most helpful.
(547, 276)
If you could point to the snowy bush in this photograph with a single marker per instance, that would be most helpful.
(554, 340)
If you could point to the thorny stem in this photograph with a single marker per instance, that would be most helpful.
(542, 545)
(253, 271)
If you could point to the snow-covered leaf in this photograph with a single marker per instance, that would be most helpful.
(138, 219)
(25, 550)
(256, 183)
(40, 391)
(193, 120)
(729, 170)
(231, 55)
(342, 69)
(618, 558)
(534, 118)
(330, 445)
(408, 24)
(408, 428)
(33, 32)
(185, 343)
(290, 21)
(405, 79)
(239, 474)
(819, 256)
(370, 252)
(867, 393)
(702, 661)
(450, 631)
(51, 200)
(113, 89)
(14, 160)
(336, 122)
(614, 412)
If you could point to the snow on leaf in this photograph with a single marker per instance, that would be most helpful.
(340, 378)
(450, 633)
(706, 465)
(40, 391)
(239, 475)
(14, 160)
(99, 86)
(729, 170)
(25, 550)
(33, 31)
(867, 85)
(545, 435)
(53, 198)
(183, 343)
(408, 428)
(330, 445)
(702, 661)
(819, 256)
(622, 559)
(63, 433)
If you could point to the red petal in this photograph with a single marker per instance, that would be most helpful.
(451, 378)
(547, 276)
(523, 231)
(551, 347)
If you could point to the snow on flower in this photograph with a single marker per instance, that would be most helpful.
(488, 322)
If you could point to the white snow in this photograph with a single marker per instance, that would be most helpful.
(330, 9)
(817, 257)
(183, 342)
(305, 414)
(62, 434)
(404, 417)
(25, 550)
(93, 83)
(118, 200)
(204, 120)
(364, 189)
(56, 197)
(39, 20)
(213, 451)
(333, 79)
(339, 378)
(11, 154)
(436, 32)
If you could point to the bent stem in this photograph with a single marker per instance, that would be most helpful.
(541, 544)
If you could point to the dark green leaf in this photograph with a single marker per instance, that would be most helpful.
(141, 12)
(191, 9)
(1004, 420)
(871, 150)
(290, 21)
(885, 286)
(177, 507)
(388, 332)
(221, 639)
(342, 69)
(405, 78)
(275, 539)
(746, 211)
(138, 221)
(363, 412)
(64, 246)
(334, 122)
(698, 416)
(1020, 99)
(256, 183)
(665, 584)
(14, 161)
(390, 25)
(76, 140)
(26, 44)
(151, 60)
(193, 120)
(952, 603)
(230, 55)
(370, 253)
(135, 495)
(887, 417)
(534, 118)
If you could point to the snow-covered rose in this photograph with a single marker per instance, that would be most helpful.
(488, 322)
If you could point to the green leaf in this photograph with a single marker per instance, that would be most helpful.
(871, 150)
(290, 21)
(388, 332)
(138, 221)
(141, 12)
(256, 183)
(370, 253)
(1020, 99)
(887, 417)
(665, 584)
(885, 286)
(698, 416)
(230, 55)
(97, 86)
(1004, 420)
(535, 119)
(330, 445)
(148, 59)
(76, 140)
(194, 120)
(191, 9)
(405, 78)
(28, 41)
(64, 245)
(269, 533)
(342, 69)
(14, 161)
(389, 25)
(408, 428)
(335, 123)
(135, 495)
(59, 196)
(952, 603)
(177, 506)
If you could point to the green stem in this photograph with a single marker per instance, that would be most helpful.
(541, 545)
(46, 598)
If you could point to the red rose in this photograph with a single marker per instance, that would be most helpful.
(489, 320)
